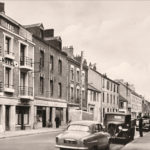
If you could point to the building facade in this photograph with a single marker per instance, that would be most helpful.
(16, 75)
(50, 77)
(77, 82)
(110, 95)
(94, 101)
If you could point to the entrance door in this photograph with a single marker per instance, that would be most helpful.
(44, 118)
(7, 118)
(22, 119)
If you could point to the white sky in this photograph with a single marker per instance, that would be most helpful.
(113, 34)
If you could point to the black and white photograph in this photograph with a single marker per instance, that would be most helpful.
(75, 75)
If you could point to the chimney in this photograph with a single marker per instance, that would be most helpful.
(48, 33)
(2, 7)
(68, 50)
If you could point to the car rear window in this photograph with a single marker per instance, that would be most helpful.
(78, 128)
(115, 118)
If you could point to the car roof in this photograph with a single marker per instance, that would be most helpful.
(85, 122)
(117, 113)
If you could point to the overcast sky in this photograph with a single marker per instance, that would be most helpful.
(114, 35)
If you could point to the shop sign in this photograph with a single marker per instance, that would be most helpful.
(8, 62)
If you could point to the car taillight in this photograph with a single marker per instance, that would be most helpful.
(56, 139)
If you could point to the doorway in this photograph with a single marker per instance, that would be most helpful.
(7, 118)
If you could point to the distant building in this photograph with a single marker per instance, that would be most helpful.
(16, 75)
(50, 76)
(94, 104)
(110, 95)
(145, 107)
(77, 81)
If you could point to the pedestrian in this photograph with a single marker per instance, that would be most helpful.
(140, 125)
(57, 120)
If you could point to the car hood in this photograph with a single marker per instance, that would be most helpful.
(74, 135)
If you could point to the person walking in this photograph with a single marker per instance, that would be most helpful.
(140, 125)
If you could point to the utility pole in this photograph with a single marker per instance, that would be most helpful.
(81, 68)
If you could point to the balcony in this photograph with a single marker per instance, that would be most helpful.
(9, 55)
(26, 63)
(25, 92)
(9, 88)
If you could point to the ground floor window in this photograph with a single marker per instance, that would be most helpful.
(22, 115)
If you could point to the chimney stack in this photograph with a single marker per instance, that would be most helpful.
(2, 7)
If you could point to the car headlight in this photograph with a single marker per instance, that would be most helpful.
(120, 127)
(56, 139)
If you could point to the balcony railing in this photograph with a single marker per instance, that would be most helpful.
(26, 61)
(9, 88)
(26, 91)
(1, 86)
(9, 54)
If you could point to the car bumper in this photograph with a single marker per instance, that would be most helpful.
(71, 147)
(119, 139)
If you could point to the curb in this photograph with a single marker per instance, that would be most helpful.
(27, 134)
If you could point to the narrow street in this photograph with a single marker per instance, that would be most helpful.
(45, 141)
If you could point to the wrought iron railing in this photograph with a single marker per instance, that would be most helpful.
(25, 91)
(25, 61)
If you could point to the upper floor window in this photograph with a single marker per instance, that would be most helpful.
(59, 66)
(107, 85)
(78, 94)
(41, 59)
(72, 74)
(71, 92)
(7, 44)
(107, 98)
(94, 96)
(114, 88)
(51, 87)
(59, 90)
(78, 76)
(83, 94)
(8, 78)
(51, 63)
(103, 97)
(41, 85)
(111, 99)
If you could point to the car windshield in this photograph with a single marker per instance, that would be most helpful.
(78, 128)
(115, 118)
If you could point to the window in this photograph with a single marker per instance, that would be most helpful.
(7, 45)
(83, 94)
(59, 66)
(103, 112)
(103, 97)
(114, 88)
(51, 87)
(107, 109)
(91, 95)
(41, 59)
(8, 77)
(114, 99)
(107, 98)
(51, 63)
(78, 94)
(107, 85)
(78, 76)
(94, 96)
(71, 93)
(59, 90)
(72, 74)
(41, 85)
(111, 99)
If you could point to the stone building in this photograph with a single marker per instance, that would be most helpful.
(110, 95)
(94, 101)
(16, 74)
(77, 81)
(50, 76)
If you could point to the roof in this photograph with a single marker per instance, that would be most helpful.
(122, 99)
(84, 122)
(93, 88)
(35, 25)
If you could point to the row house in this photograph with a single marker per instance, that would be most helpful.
(77, 82)
(50, 76)
(110, 95)
(124, 96)
(145, 107)
(136, 104)
(94, 101)
(16, 75)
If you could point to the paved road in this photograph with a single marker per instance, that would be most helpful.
(45, 141)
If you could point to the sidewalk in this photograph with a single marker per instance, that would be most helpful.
(140, 143)
(8, 134)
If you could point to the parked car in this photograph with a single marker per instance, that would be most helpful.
(120, 127)
(145, 125)
(83, 135)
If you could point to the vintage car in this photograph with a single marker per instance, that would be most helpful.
(83, 135)
(120, 127)
(145, 124)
